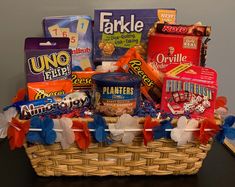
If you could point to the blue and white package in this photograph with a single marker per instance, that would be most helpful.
(79, 30)
(56, 105)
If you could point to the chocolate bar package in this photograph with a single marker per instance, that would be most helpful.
(82, 80)
(115, 31)
(54, 105)
(166, 49)
(151, 79)
(79, 30)
(189, 90)
(190, 30)
(47, 59)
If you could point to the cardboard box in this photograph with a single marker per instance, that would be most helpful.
(166, 49)
(115, 31)
(189, 90)
(79, 30)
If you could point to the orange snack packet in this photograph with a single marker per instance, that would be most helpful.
(152, 79)
(82, 79)
(39, 90)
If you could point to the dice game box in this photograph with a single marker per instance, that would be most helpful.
(189, 89)
(115, 31)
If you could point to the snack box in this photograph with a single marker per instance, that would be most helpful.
(190, 90)
(166, 49)
(47, 59)
(79, 30)
(115, 31)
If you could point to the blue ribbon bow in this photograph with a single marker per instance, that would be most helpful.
(99, 124)
(227, 130)
(160, 131)
(46, 136)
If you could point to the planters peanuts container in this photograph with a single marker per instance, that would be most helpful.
(116, 93)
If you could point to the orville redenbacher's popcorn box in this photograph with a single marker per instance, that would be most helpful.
(166, 49)
(190, 90)
(115, 31)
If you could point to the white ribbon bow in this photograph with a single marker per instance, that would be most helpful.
(5, 120)
(180, 133)
(65, 135)
(118, 132)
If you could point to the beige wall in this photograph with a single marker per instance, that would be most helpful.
(20, 19)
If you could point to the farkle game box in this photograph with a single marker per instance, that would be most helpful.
(115, 31)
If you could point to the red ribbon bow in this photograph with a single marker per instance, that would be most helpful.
(203, 135)
(82, 138)
(149, 124)
(16, 132)
(20, 95)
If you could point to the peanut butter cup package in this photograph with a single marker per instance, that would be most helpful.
(40, 90)
(133, 63)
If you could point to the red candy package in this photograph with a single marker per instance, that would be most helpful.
(39, 90)
(190, 90)
(166, 49)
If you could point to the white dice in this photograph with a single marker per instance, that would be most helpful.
(206, 104)
(200, 109)
(189, 107)
(199, 99)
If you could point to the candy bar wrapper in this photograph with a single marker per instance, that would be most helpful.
(190, 30)
(47, 59)
(54, 105)
(39, 90)
(82, 80)
(151, 79)
(190, 90)
(166, 49)
(116, 31)
(79, 30)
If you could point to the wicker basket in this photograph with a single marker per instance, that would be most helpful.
(161, 157)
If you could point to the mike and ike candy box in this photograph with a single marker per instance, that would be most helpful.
(115, 31)
(79, 30)
(189, 89)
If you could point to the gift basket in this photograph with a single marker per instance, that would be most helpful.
(134, 99)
